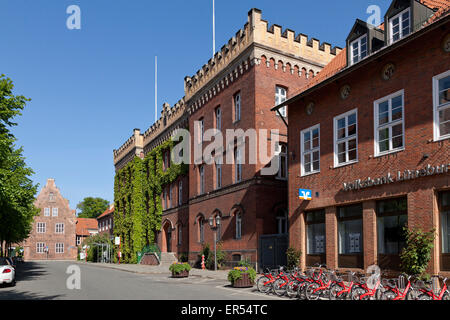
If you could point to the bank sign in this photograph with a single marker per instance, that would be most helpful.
(304, 194)
(397, 177)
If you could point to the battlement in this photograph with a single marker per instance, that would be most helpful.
(169, 115)
(134, 143)
(257, 31)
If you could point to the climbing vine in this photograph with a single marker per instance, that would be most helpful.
(137, 198)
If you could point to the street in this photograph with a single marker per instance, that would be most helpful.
(46, 280)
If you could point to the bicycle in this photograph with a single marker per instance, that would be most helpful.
(321, 286)
(431, 293)
(393, 289)
(340, 290)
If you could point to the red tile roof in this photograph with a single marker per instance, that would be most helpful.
(84, 225)
(107, 212)
(340, 61)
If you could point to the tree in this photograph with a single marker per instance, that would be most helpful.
(17, 191)
(92, 207)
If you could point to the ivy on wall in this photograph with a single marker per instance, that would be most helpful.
(137, 198)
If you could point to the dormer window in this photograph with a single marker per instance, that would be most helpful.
(358, 49)
(400, 25)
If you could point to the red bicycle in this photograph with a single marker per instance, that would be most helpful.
(265, 282)
(362, 291)
(342, 290)
(396, 289)
(431, 294)
(321, 285)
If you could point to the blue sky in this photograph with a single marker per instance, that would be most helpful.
(91, 87)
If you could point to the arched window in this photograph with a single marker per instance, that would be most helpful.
(180, 234)
(282, 221)
(201, 229)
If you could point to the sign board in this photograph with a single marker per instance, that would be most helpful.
(82, 255)
(117, 241)
(304, 194)
(120, 254)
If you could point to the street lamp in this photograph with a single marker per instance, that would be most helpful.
(214, 227)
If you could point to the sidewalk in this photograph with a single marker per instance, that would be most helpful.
(145, 269)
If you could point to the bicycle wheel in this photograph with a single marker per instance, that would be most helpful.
(309, 292)
(302, 289)
(279, 287)
(446, 296)
(334, 292)
(292, 289)
(388, 295)
(262, 285)
(357, 292)
(424, 296)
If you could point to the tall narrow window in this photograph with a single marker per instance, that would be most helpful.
(180, 192)
(238, 225)
(350, 233)
(444, 211)
(180, 234)
(280, 97)
(201, 171)
(358, 49)
(283, 161)
(389, 126)
(54, 212)
(170, 196)
(315, 237)
(46, 212)
(400, 25)
(310, 148)
(200, 130)
(441, 102)
(201, 229)
(218, 175)
(282, 221)
(218, 118)
(165, 199)
(237, 107)
(238, 165)
(345, 138)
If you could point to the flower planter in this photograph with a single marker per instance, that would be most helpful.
(182, 274)
(244, 282)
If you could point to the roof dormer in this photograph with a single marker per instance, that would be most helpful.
(404, 17)
(363, 40)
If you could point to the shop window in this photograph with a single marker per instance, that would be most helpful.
(315, 230)
(444, 209)
(350, 232)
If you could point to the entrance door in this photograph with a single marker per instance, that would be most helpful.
(272, 251)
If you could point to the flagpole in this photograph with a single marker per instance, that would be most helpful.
(156, 88)
(214, 28)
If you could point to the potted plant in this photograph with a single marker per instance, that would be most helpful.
(180, 269)
(242, 277)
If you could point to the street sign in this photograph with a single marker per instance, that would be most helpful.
(304, 194)
(117, 241)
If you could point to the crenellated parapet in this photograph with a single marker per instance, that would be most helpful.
(131, 148)
(255, 42)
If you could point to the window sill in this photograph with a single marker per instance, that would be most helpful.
(309, 173)
(337, 166)
(386, 153)
(441, 138)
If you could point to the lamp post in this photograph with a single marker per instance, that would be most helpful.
(214, 227)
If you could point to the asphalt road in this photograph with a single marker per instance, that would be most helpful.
(47, 280)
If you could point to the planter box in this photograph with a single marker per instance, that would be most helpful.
(244, 282)
(182, 274)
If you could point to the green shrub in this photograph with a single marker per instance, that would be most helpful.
(209, 256)
(293, 258)
(245, 263)
(416, 255)
(179, 267)
(237, 272)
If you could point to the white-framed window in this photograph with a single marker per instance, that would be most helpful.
(59, 228)
(78, 241)
(180, 192)
(389, 124)
(201, 130)
(238, 225)
(218, 118)
(46, 212)
(237, 107)
(40, 247)
(310, 150)
(441, 103)
(281, 151)
(346, 138)
(218, 175)
(41, 227)
(54, 212)
(358, 49)
(400, 25)
(280, 97)
(59, 247)
(201, 174)
(238, 165)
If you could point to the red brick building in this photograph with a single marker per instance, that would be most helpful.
(369, 136)
(254, 71)
(105, 222)
(86, 227)
(53, 233)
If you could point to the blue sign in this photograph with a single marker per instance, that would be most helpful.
(304, 194)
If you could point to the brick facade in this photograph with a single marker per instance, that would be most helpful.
(417, 60)
(51, 198)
